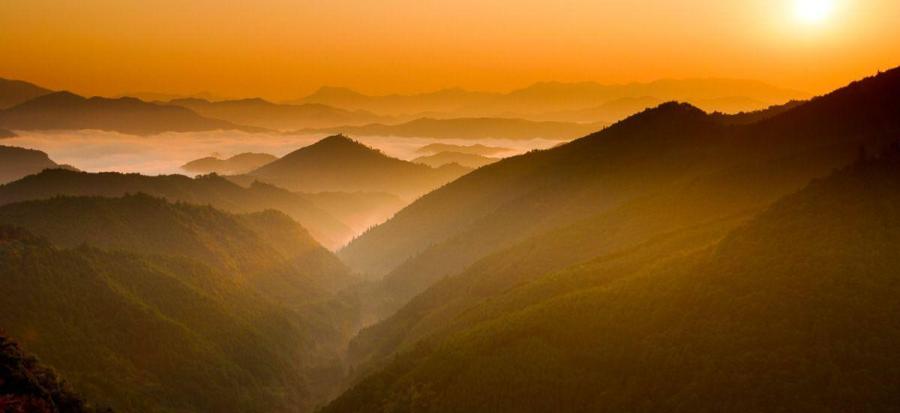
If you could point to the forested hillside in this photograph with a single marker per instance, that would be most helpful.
(204, 190)
(670, 149)
(794, 311)
(264, 249)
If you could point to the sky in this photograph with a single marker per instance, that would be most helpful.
(286, 49)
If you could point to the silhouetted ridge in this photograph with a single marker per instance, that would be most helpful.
(66, 110)
(338, 163)
(26, 385)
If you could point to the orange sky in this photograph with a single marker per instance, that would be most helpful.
(282, 49)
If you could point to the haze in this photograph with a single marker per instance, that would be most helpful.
(282, 49)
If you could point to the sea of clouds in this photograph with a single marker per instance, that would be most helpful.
(97, 151)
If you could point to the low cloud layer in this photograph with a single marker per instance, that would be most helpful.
(97, 151)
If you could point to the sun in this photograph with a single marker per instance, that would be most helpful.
(813, 11)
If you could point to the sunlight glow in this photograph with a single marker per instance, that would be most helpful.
(813, 11)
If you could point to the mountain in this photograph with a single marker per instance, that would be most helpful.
(204, 190)
(670, 148)
(469, 128)
(14, 92)
(664, 171)
(7, 134)
(272, 252)
(446, 100)
(476, 149)
(536, 101)
(26, 385)
(64, 110)
(794, 309)
(16, 163)
(237, 164)
(161, 333)
(464, 159)
(264, 114)
(338, 163)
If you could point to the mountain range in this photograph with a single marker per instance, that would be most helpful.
(792, 309)
(552, 97)
(476, 149)
(64, 110)
(204, 190)
(469, 128)
(467, 160)
(236, 305)
(634, 198)
(237, 164)
(338, 163)
(264, 114)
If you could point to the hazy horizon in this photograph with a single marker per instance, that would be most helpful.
(285, 50)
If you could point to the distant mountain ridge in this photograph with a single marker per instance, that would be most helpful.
(338, 163)
(467, 160)
(237, 164)
(264, 114)
(17, 163)
(470, 128)
(65, 110)
(14, 92)
(553, 97)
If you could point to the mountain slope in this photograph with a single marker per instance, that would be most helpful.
(64, 110)
(206, 190)
(796, 315)
(470, 128)
(237, 164)
(505, 202)
(14, 92)
(16, 163)
(264, 114)
(338, 163)
(266, 249)
(155, 333)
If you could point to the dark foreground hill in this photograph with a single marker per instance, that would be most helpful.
(793, 311)
(205, 190)
(64, 110)
(26, 385)
(16, 163)
(338, 163)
